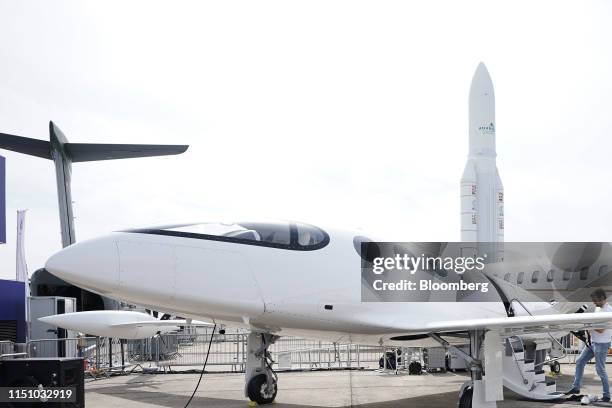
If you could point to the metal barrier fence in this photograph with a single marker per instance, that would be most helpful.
(188, 350)
(229, 351)
(6, 347)
(52, 348)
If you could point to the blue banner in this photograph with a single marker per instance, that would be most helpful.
(2, 200)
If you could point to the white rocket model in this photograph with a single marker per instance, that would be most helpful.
(482, 192)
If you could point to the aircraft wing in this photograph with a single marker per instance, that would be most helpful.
(510, 326)
(162, 323)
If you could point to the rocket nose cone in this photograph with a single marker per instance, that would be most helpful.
(481, 71)
(481, 89)
(91, 264)
(482, 113)
(481, 78)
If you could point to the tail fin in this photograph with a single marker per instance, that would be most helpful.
(64, 154)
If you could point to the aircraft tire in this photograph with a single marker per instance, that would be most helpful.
(465, 400)
(257, 390)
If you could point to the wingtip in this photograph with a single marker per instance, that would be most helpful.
(178, 149)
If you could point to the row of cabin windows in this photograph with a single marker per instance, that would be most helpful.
(550, 275)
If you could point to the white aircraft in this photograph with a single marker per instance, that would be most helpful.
(293, 279)
(120, 324)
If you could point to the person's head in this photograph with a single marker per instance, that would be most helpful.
(598, 297)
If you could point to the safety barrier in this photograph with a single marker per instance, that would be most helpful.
(188, 350)
(52, 348)
(7, 347)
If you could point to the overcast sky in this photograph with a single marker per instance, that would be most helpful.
(352, 114)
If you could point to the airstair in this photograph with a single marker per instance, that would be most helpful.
(523, 365)
(524, 372)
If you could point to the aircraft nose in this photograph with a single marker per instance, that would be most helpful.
(90, 264)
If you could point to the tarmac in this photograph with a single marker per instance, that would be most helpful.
(346, 388)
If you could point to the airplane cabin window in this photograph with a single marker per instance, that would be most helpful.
(520, 277)
(507, 277)
(584, 273)
(534, 276)
(567, 275)
(550, 276)
(603, 269)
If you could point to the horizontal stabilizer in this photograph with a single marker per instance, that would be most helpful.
(25, 145)
(82, 152)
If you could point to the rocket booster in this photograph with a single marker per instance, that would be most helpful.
(482, 192)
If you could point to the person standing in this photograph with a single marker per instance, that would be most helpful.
(600, 343)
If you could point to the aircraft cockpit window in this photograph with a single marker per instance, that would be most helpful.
(246, 234)
(282, 235)
(275, 233)
(308, 235)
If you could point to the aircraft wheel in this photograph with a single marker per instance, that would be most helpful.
(465, 400)
(259, 391)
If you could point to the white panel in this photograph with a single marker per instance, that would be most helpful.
(148, 269)
(493, 367)
(216, 279)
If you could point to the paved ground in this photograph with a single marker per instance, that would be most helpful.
(367, 389)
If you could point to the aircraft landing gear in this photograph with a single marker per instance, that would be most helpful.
(261, 380)
(465, 395)
(472, 393)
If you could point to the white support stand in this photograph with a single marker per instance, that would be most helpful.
(478, 396)
(487, 387)
(493, 367)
